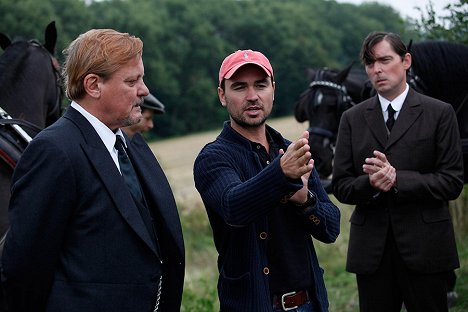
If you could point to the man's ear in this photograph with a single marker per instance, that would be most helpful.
(92, 86)
(221, 96)
(407, 61)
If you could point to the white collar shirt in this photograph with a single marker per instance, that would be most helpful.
(397, 103)
(107, 136)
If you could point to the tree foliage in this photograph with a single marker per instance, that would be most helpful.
(185, 41)
(450, 25)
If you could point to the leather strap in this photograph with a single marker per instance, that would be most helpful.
(290, 301)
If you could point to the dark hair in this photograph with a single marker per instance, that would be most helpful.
(367, 50)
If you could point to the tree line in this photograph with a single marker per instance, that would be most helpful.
(185, 41)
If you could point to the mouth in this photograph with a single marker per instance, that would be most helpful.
(380, 80)
(253, 110)
(137, 107)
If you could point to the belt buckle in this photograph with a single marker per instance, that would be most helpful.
(282, 301)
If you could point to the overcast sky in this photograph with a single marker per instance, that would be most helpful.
(406, 7)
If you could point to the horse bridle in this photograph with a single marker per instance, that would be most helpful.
(344, 101)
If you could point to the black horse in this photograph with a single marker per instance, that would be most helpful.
(30, 99)
(330, 93)
(439, 69)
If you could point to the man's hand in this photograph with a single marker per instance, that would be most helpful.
(300, 196)
(296, 160)
(382, 175)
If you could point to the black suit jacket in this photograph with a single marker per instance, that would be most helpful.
(424, 147)
(77, 241)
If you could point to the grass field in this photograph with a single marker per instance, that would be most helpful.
(177, 156)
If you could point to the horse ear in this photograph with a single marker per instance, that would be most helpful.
(50, 37)
(341, 76)
(408, 48)
(4, 41)
(310, 73)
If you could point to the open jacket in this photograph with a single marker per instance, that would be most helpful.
(238, 195)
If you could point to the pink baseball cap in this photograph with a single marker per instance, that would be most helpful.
(240, 58)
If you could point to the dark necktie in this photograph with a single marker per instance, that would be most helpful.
(126, 168)
(131, 179)
(391, 117)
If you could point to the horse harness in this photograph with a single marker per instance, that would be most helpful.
(13, 138)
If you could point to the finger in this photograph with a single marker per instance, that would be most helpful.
(373, 161)
(381, 156)
(370, 168)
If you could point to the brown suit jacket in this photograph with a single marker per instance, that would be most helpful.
(424, 147)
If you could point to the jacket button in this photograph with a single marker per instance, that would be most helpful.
(263, 235)
(314, 219)
(266, 270)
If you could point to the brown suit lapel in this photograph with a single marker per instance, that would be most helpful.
(374, 118)
(408, 115)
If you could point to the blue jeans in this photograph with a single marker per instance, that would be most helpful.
(307, 307)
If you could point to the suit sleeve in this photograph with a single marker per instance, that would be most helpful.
(42, 193)
(445, 181)
(349, 185)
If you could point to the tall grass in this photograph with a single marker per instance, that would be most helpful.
(200, 294)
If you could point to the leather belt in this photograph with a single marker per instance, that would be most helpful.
(291, 300)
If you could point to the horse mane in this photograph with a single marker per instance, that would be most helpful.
(443, 68)
(11, 59)
(28, 86)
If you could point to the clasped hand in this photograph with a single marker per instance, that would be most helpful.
(382, 175)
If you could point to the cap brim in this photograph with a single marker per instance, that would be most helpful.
(151, 102)
(235, 68)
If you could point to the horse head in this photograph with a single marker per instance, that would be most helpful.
(329, 94)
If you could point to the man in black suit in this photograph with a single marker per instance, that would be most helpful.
(399, 165)
(81, 237)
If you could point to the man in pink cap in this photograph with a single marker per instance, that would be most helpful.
(264, 199)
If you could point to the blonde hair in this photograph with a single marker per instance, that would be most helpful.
(99, 51)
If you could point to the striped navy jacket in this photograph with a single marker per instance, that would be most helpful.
(238, 195)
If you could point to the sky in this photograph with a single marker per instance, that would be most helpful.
(406, 7)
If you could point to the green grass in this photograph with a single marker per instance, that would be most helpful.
(200, 294)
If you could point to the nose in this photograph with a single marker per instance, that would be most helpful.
(150, 124)
(251, 94)
(144, 91)
(377, 67)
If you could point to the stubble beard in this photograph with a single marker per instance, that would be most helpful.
(244, 123)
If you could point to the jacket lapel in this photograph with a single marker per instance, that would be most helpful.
(410, 112)
(158, 188)
(374, 118)
(101, 160)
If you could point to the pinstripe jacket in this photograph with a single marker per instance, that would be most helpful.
(238, 195)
